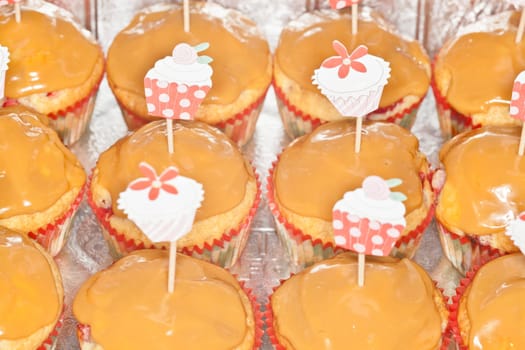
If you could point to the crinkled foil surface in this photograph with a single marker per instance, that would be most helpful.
(264, 261)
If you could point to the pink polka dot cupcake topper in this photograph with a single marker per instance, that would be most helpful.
(4, 60)
(517, 107)
(176, 86)
(341, 4)
(370, 219)
(516, 231)
(17, 8)
(162, 206)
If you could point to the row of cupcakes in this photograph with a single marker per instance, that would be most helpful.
(61, 83)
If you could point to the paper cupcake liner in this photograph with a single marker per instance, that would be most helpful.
(464, 252)
(451, 121)
(50, 342)
(298, 123)
(305, 251)
(223, 252)
(84, 331)
(270, 329)
(53, 236)
(454, 306)
(240, 128)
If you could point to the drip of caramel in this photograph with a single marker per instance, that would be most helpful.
(306, 42)
(319, 168)
(201, 152)
(324, 308)
(29, 299)
(496, 305)
(128, 305)
(36, 169)
(240, 54)
(485, 186)
(46, 54)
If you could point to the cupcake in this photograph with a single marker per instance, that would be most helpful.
(473, 88)
(202, 153)
(307, 41)
(323, 307)
(32, 297)
(41, 181)
(483, 193)
(316, 171)
(55, 66)
(127, 306)
(241, 64)
(488, 311)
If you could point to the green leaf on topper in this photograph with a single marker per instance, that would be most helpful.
(398, 196)
(394, 182)
(205, 59)
(202, 47)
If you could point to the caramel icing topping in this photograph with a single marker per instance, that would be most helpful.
(29, 299)
(319, 168)
(46, 54)
(128, 306)
(306, 42)
(496, 305)
(36, 169)
(200, 152)
(240, 54)
(480, 80)
(485, 187)
(323, 307)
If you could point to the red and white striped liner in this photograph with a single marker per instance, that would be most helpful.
(223, 252)
(50, 342)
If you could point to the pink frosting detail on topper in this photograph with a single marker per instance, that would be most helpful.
(376, 188)
(516, 231)
(340, 4)
(153, 182)
(344, 61)
(517, 104)
(184, 54)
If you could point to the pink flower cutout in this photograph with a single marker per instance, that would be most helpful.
(340, 4)
(344, 61)
(153, 182)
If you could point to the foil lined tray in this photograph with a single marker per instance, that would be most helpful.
(264, 262)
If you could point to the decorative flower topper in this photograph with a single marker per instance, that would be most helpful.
(517, 105)
(6, 2)
(370, 219)
(344, 61)
(516, 231)
(153, 182)
(341, 4)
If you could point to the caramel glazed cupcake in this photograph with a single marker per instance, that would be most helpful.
(307, 41)
(41, 181)
(31, 297)
(242, 65)
(202, 153)
(316, 170)
(323, 307)
(55, 66)
(128, 307)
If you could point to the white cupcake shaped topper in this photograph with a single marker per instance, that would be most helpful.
(4, 60)
(517, 107)
(162, 206)
(516, 231)
(176, 86)
(17, 7)
(353, 83)
(370, 219)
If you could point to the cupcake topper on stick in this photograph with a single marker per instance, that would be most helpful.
(340, 4)
(517, 107)
(18, 15)
(163, 207)
(353, 83)
(521, 26)
(176, 86)
(516, 231)
(369, 220)
(4, 60)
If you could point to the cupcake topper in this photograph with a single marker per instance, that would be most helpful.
(370, 219)
(341, 4)
(516, 231)
(17, 8)
(4, 60)
(353, 83)
(517, 107)
(163, 207)
(176, 86)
